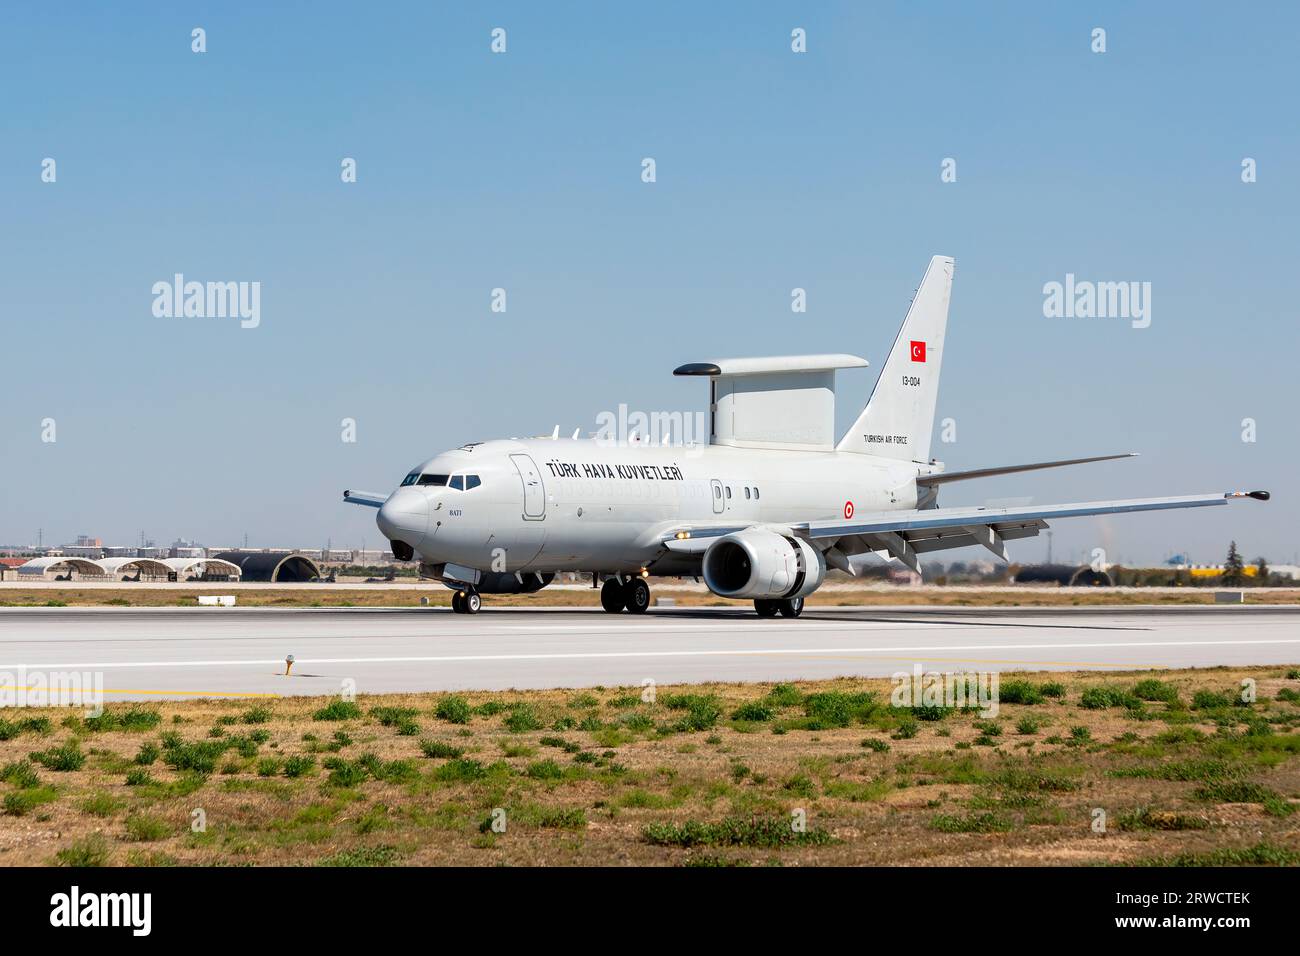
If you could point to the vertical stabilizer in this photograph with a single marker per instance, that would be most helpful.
(899, 417)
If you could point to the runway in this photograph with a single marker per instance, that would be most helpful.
(190, 652)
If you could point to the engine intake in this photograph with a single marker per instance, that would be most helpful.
(756, 563)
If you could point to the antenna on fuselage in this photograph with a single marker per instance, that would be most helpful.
(576, 432)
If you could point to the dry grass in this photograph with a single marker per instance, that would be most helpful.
(602, 777)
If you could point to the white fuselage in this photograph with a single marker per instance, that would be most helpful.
(585, 505)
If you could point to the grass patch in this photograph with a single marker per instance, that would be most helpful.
(767, 832)
(338, 710)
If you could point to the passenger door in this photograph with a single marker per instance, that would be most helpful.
(715, 490)
(534, 490)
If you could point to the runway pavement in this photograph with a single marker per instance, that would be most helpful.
(189, 652)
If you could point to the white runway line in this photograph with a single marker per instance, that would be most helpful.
(605, 655)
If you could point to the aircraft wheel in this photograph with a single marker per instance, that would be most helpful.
(458, 602)
(471, 602)
(612, 596)
(637, 593)
(790, 607)
(765, 608)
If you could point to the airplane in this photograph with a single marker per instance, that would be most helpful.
(761, 512)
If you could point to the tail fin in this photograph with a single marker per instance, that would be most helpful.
(899, 416)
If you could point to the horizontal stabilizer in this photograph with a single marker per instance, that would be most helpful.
(364, 498)
(943, 477)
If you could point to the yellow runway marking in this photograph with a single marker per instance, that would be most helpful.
(188, 693)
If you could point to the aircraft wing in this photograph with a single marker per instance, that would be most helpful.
(906, 534)
(366, 498)
(943, 477)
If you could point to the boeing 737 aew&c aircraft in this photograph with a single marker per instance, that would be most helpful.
(760, 512)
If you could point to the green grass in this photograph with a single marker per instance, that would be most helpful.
(101, 804)
(90, 851)
(141, 828)
(382, 855)
(19, 803)
(521, 719)
(1145, 818)
(755, 710)
(298, 765)
(64, 758)
(1261, 854)
(986, 822)
(460, 770)
(1100, 698)
(453, 709)
(770, 832)
(338, 710)
(1211, 700)
(256, 715)
(21, 774)
(9, 729)
(438, 749)
(133, 719)
(784, 695)
(1155, 690)
(838, 709)
(1019, 692)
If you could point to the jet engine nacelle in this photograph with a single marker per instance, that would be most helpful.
(757, 563)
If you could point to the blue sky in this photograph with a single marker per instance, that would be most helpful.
(522, 171)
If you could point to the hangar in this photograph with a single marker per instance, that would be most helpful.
(272, 565)
(134, 569)
(60, 565)
(205, 569)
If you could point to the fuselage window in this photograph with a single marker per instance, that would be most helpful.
(756, 494)
(747, 491)
(471, 481)
(437, 480)
(411, 479)
(458, 482)
(717, 492)
(728, 491)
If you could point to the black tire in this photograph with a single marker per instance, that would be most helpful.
(458, 602)
(637, 595)
(791, 607)
(472, 602)
(765, 608)
(612, 596)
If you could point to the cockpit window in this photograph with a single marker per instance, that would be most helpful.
(458, 482)
(411, 479)
(471, 481)
(437, 480)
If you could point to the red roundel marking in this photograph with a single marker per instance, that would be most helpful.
(848, 510)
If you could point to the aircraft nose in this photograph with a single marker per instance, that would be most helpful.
(404, 516)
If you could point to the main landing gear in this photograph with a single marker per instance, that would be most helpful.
(787, 607)
(633, 594)
(466, 601)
